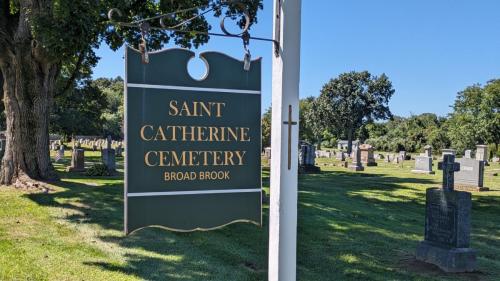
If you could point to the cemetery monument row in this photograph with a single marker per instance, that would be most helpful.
(193, 160)
(448, 224)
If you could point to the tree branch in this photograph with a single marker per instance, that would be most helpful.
(72, 78)
(5, 8)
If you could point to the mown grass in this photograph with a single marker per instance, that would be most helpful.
(352, 226)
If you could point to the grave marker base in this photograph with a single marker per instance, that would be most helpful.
(309, 169)
(423, 172)
(464, 187)
(449, 260)
(356, 168)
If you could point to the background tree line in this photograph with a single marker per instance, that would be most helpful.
(343, 107)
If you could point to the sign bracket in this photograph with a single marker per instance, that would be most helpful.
(144, 25)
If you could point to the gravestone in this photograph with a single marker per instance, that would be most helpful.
(356, 164)
(53, 146)
(367, 155)
(396, 159)
(447, 224)
(468, 154)
(448, 151)
(108, 157)
(482, 153)
(427, 151)
(402, 155)
(77, 161)
(471, 175)
(323, 154)
(59, 154)
(340, 155)
(119, 151)
(423, 163)
(307, 159)
(388, 158)
(267, 152)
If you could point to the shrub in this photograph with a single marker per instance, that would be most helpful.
(98, 170)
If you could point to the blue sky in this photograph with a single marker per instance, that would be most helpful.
(430, 49)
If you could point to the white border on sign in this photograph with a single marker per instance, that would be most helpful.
(198, 89)
(192, 192)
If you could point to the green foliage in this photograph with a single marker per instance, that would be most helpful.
(306, 130)
(351, 100)
(266, 128)
(476, 117)
(329, 139)
(95, 107)
(98, 170)
(410, 134)
(78, 110)
(65, 28)
(113, 115)
(66, 33)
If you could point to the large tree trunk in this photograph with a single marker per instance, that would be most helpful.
(349, 140)
(28, 93)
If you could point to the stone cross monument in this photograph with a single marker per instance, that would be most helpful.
(449, 168)
(447, 224)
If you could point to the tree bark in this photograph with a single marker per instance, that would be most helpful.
(349, 140)
(28, 94)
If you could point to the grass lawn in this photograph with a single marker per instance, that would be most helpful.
(352, 226)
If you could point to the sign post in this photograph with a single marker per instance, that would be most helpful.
(284, 143)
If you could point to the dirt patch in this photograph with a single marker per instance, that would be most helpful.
(411, 264)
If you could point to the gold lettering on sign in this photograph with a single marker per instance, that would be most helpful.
(143, 129)
(196, 109)
(195, 133)
(193, 158)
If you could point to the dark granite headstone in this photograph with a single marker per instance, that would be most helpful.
(307, 159)
(447, 224)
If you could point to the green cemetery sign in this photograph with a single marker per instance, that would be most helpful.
(193, 146)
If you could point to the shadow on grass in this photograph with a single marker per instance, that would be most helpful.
(352, 226)
(236, 252)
